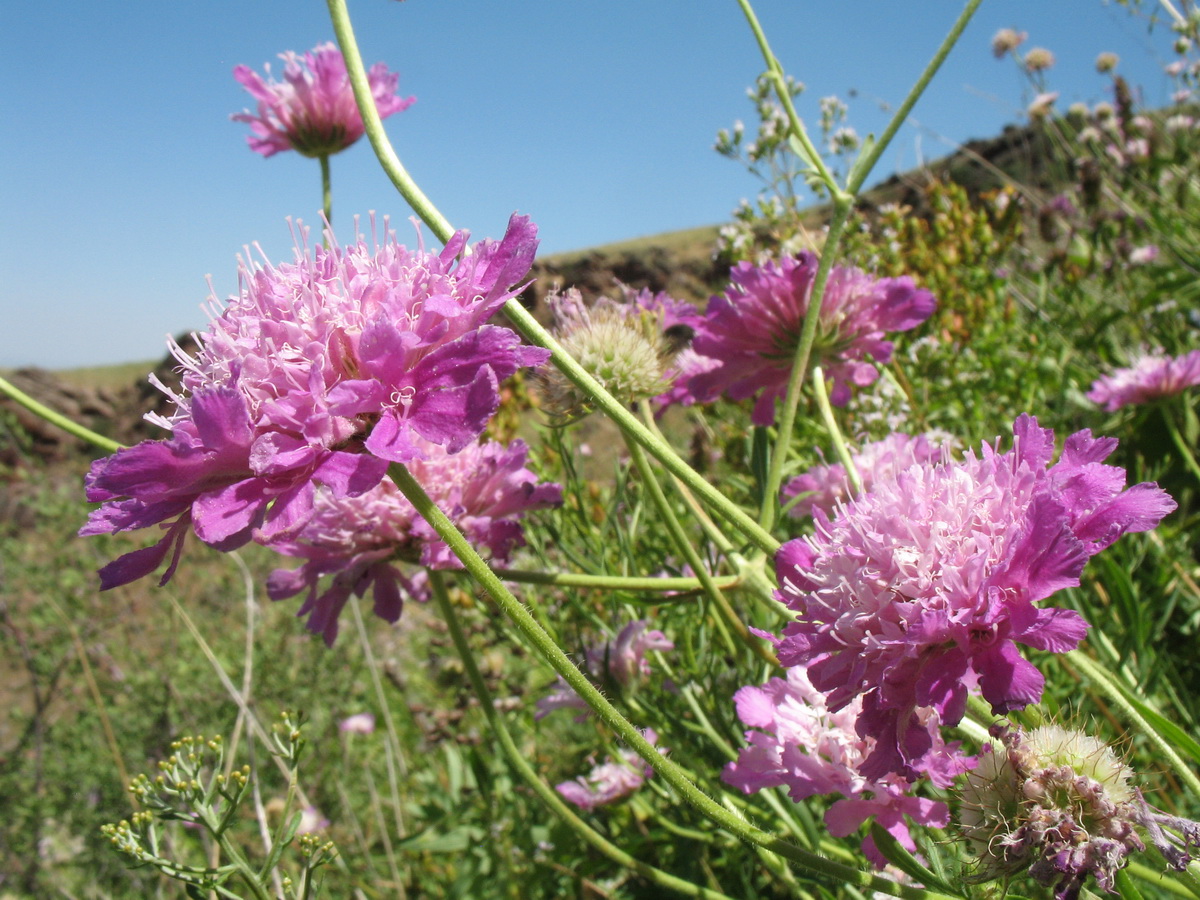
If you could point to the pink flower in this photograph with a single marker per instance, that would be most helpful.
(753, 329)
(921, 589)
(827, 485)
(1006, 40)
(319, 373)
(1149, 378)
(801, 745)
(311, 820)
(312, 111)
(610, 781)
(359, 723)
(621, 661)
(1144, 255)
(360, 541)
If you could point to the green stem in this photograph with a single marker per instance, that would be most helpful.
(776, 74)
(326, 191)
(611, 582)
(521, 319)
(1117, 694)
(835, 433)
(58, 419)
(1189, 459)
(671, 773)
(866, 162)
(518, 761)
(808, 335)
(685, 546)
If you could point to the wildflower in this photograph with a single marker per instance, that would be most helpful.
(622, 661)
(319, 373)
(629, 346)
(800, 744)
(1140, 256)
(1038, 59)
(753, 329)
(1150, 377)
(360, 541)
(1042, 104)
(359, 723)
(312, 111)
(922, 588)
(1006, 40)
(311, 820)
(1059, 804)
(610, 781)
(828, 485)
(1106, 62)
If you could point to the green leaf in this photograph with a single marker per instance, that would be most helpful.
(905, 861)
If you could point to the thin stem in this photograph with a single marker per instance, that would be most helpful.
(326, 190)
(612, 582)
(835, 433)
(1189, 459)
(521, 319)
(670, 772)
(808, 335)
(871, 153)
(518, 761)
(106, 444)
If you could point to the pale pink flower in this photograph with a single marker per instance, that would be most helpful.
(800, 744)
(1140, 256)
(1151, 377)
(612, 780)
(311, 820)
(1042, 104)
(828, 485)
(312, 111)
(1038, 59)
(1006, 40)
(359, 723)
(919, 591)
(753, 329)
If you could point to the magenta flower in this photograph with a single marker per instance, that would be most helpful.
(921, 589)
(753, 329)
(801, 745)
(621, 662)
(610, 781)
(823, 487)
(1149, 378)
(485, 489)
(312, 111)
(319, 373)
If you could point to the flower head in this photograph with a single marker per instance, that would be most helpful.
(823, 487)
(921, 589)
(800, 744)
(318, 374)
(1149, 378)
(629, 346)
(621, 661)
(753, 329)
(312, 111)
(361, 541)
(1106, 62)
(1038, 59)
(1006, 40)
(359, 723)
(610, 781)
(1058, 803)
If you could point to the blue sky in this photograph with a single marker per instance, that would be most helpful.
(126, 184)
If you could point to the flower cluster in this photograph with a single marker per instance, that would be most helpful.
(751, 332)
(920, 590)
(802, 745)
(621, 662)
(1151, 377)
(317, 376)
(823, 487)
(612, 780)
(483, 489)
(312, 111)
(1059, 804)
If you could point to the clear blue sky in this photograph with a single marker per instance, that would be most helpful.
(126, 184)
